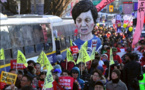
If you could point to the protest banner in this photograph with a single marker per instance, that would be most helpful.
(103, 3)
(43, 60)
(74, 49)
(48, 81)
(8, 78)
(83, 56)
(2, 85)
(19, 65)
(66, 82)
(2, 55)
(69, 56)
(140, 21)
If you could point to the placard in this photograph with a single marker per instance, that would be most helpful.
(74, 49)
(19, 65)
(66, 82)
(8, 78)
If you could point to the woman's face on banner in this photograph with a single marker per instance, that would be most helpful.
(85, 23)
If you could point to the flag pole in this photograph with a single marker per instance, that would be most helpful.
(16, 67)
(43, 60)
(66, 64)
(109, 72)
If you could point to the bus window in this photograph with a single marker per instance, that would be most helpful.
(5, 40)
(27, 34)
(47, 36)
(29, 50)
(63, 42)
(37, 34)
(68, 41)
(8, 54)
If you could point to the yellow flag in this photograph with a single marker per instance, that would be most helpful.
(93, 54)
(111, 57)
(43, 60)
(48, 81)
(71, 44)
(83, 56)
(85, 45)
(40, 59)
(69, 56)
(2, 55)
(21, 57)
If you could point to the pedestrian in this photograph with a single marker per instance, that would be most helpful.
(116, 83)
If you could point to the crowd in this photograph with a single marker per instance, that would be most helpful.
(127, 72)
(96, 74)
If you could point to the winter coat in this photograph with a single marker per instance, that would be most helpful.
(70, 65)
(81, 82)
(119, 86)
(131, 70)
(90, 85)
(85, 75)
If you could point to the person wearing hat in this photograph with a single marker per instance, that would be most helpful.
(115, 56)
(75, 73)
(96, 76)
(142, 46)
(99, 86)
(116, 83)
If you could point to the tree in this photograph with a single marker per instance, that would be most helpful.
(52, 7)
(55, 7)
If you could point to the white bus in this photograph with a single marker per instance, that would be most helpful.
(33, 33)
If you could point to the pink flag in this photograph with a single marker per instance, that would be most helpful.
(140, 18)
(103, 3)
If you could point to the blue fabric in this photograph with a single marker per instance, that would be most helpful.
(57, 70)
(81, 82)
(79, 42)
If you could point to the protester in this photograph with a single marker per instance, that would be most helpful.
(116, 83)
(57, 70)
(30, 70)
(65, 73)
(41, 80)
(131, 70)
(84, 73)
(99, 86)
(26, 81)
(55, 83)
(75, 73)
(38, 69)
(96, 76)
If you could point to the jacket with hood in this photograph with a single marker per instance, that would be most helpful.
(81, 82)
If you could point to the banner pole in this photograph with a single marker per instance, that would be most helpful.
(81, 69)
(66, 64)
(109, 72)
(43, 60)
(16, 67)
